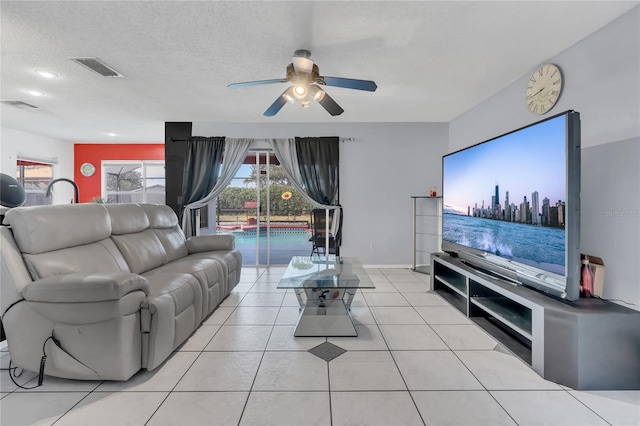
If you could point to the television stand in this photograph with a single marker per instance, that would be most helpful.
(587, 344)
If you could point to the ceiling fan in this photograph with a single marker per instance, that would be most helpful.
(306, 79)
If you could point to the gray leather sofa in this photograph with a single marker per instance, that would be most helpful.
(117, 287)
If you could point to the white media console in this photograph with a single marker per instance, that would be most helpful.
(587, 344)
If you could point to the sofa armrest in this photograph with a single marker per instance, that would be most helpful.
(79, 288)
(202, 243)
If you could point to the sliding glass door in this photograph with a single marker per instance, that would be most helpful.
(267, 216)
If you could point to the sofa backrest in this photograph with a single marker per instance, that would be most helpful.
(14, 275)
(164, 224)
(84, 238)
(64, 239)
(138, 244)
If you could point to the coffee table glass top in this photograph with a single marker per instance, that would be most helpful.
(321, 272)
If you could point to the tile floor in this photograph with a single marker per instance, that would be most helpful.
(416, 361)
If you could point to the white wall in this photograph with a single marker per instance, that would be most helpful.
(379, 171)
(16, 142)
(602, 82)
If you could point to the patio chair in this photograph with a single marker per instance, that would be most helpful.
(318, 233)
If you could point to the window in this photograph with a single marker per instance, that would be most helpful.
(134, 181)
(35, 177)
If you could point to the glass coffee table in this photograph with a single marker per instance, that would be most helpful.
(325, 288)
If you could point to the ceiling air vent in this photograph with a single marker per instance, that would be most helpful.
(20, 104)
(94, 64)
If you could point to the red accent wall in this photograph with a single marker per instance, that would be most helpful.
(91, 187)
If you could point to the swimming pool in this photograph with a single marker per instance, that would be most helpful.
(285, 243)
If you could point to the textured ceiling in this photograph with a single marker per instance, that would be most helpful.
(432, 61)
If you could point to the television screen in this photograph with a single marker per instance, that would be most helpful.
(510, 201)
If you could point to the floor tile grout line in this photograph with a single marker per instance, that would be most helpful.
(450, 350)
(329, 389)
(498, 402)
(261, 358)
(400, 372)
(196, 359)
(253, 382)
(72, 407)
(582, 403)
(185, 372)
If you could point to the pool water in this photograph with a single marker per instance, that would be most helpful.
(285, 243)
(294, 237)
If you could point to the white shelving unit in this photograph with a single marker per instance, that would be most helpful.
(427, 230)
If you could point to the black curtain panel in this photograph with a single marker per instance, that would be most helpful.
(201, 171)
(319, 164)
(319, 160)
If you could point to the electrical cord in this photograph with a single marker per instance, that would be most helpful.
(616, 300)
(12, 374)
(43, 360)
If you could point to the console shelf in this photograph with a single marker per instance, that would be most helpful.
(457, 287)
(511, 315)
(587, 344)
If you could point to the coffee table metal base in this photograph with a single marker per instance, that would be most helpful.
(333, 320)
(321, 317)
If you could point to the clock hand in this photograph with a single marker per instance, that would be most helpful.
(531, 96)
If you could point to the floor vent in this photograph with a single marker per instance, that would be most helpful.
(20, 104)
(95, 65)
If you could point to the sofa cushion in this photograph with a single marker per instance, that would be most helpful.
(231, 261)
(102, 256)
(160, 216)
(164, 223)
(143, 251)
(85, 288)
(173, 243)
(90, 313)
(127, 218)
(170, 315)
(208, 272)
(40, 229)
(208, 243)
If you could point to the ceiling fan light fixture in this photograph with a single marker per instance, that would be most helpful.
(300, 91)
(316, 93)
(288, 95)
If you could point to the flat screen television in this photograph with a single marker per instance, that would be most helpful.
(511, 205)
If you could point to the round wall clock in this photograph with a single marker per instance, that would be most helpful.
(87, 169)
(544, 89)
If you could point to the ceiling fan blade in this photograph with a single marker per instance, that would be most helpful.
(330, 105)
(257, 83)
(276, 106)
(350, 83)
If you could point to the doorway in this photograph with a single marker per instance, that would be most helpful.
(268, 217)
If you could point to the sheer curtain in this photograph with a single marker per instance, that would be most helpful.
(202, 167)
(235, 151)
(287, 153)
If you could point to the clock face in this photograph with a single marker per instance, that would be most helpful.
(544, 89)
(87, 169)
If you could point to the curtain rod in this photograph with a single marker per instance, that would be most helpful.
(351, 139)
